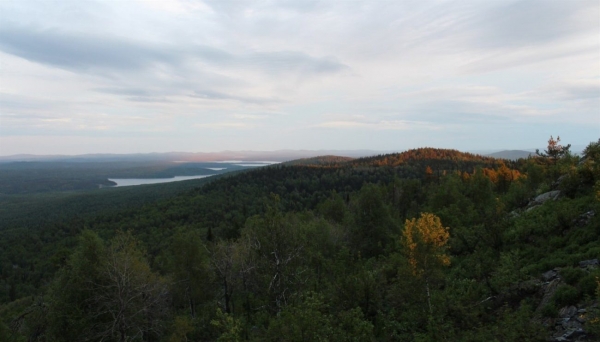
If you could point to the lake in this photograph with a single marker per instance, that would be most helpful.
(141, 181)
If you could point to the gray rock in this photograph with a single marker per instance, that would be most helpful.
(572, 324)
(591, 262)
(549, 275)
(540, 199)
(558, 181)
(574, 333)
(567, 311)
(550, 195)
(584, 218)
(549, 290)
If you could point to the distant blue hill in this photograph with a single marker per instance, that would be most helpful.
(511, 154)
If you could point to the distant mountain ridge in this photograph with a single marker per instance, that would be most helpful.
(511, 154)
(276, 156)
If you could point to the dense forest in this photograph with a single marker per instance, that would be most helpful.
(29, 177)
(425, 245)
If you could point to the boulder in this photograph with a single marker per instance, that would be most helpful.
(574, 333)
(541, 199)
(589, 263)
(550, 195)
(549, 275)
(567, 311)
(548, 292)
(584, 218)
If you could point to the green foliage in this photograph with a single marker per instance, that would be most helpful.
(555, 150)
(372, 222)
(566, 295)
(509, 270)
(312, 253)
(106, 292)
(512, 325)
(592, 324)
(592, 150)
(311, 320)
(307, 321)
(189, 266)
(334, 208)
(182, 327)
(588, 284)
(230, 329)
(550, 311)
(5, 334)
(571, 275)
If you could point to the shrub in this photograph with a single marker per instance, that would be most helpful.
(566, 295)
(571, 275)
(550, 311)
(588, 284)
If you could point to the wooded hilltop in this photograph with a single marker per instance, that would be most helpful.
(424, 245)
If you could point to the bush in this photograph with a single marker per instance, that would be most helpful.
(566, 295)
(588, 284)
(550, 311)
(571, 275)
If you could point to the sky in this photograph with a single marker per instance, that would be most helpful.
(204, 76)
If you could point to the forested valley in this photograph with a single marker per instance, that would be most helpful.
(424, 245)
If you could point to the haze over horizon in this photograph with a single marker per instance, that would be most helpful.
(206, 76)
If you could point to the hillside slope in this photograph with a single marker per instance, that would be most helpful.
(424, 245)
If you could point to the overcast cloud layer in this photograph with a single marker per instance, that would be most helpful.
(186, 75)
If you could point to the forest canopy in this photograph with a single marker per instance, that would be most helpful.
(426, 245)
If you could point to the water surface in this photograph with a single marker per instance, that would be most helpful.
(141, 181)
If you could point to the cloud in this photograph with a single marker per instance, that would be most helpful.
(216, 95)
(570, 90)
(271, 70)
(400, 125)
(125, 91)
(225, 125)
(533, 22)
(136, 94)
(78, 52)
(249, 116)
(285, 61)
(85, 52)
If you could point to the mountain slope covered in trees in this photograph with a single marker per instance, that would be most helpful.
(426, 245)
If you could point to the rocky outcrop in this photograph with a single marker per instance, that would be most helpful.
(548, 290)
(592, 263)
(541, 199)
(584, 219)
(569, 326)
(550, 195)
(550, 275)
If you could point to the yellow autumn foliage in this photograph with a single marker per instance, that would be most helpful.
(425, 241)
